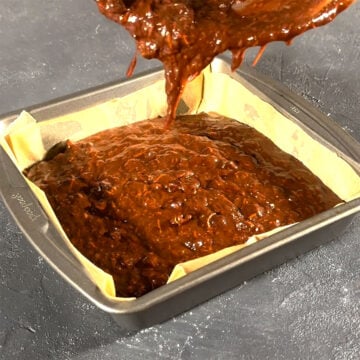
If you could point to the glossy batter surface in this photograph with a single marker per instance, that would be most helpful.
(139, 199)
(187, 34)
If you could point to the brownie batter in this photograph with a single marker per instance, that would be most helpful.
(137, 200)
(187, 34)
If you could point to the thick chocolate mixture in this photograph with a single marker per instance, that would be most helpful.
(139, 199)
(187, 34)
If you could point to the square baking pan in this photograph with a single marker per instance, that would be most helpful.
(176, 297)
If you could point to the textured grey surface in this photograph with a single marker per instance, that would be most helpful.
(305, 309)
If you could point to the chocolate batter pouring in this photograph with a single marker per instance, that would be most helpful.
(137, 200)
(187, 34)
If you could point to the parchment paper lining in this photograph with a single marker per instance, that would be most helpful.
(27, 141)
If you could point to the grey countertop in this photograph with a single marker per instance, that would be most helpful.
(307, 308)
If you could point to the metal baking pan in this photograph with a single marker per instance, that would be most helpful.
(211, 280)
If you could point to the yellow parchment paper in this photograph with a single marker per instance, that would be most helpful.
(26, 141)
